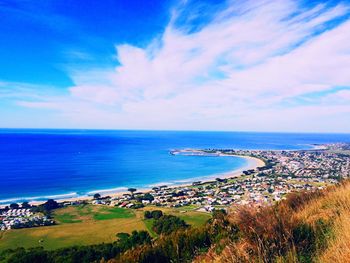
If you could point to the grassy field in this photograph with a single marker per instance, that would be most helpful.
(88, 213)
(87, 224)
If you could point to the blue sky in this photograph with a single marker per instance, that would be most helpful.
(192, 65)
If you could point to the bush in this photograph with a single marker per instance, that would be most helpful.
(127, 241)
(304, 238)
(167, 224)
(50, 205)
(14, 206)
(156, 214)
(148, 197)
(147, 215)
(138, 205)
(25, 205)
(180, 246)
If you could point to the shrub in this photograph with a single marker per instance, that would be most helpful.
(167, 224)
(147, 215)
(156, 214)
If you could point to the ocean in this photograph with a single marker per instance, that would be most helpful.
(42, 164)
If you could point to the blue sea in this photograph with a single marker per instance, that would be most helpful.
(41, 164)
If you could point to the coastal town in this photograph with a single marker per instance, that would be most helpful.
(280, 172)
(22, 218)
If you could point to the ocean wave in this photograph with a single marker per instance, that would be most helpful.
(38, 198)
(104, 191)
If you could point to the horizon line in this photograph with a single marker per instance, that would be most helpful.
(172, 130)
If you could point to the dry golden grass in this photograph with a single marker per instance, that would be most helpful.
(333, 207)
(338, 250)
(268, 234)
(330, 206)
(236, 253)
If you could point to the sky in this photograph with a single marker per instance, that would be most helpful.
(229, 65)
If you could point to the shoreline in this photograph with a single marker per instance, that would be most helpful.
(252, 163)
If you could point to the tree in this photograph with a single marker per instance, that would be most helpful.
(140, 237)
(167, 224)
(147, 215)
(25, 205)
(97, 196)
(155, 189)
(127, 241)
(146, 196)
(50, 205)
(14, 206)
(156, 214)
(132, 191)
(123, 236)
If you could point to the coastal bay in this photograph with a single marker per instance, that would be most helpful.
(36, 165)
(252, 163)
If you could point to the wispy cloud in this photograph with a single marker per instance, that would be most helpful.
(233, 72)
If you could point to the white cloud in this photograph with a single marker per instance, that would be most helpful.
(94, 93)
(232, 74)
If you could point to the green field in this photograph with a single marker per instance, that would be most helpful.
(87, 224)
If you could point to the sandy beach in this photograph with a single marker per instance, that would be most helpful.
(252, 163)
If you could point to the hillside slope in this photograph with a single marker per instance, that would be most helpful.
(307, 227)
